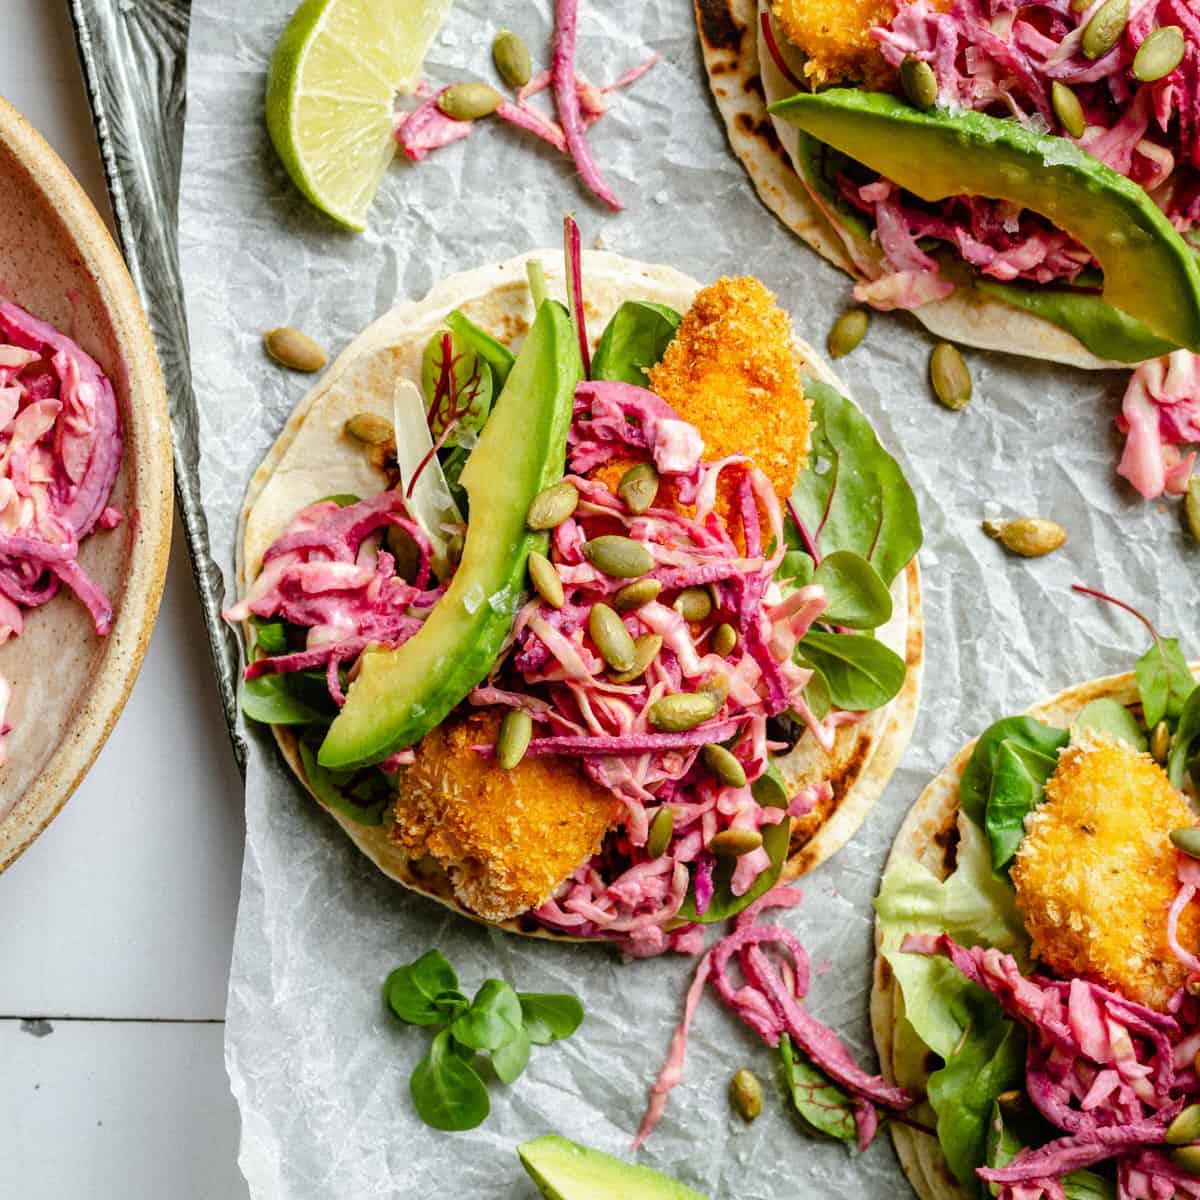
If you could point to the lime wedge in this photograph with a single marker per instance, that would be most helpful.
(331, 90)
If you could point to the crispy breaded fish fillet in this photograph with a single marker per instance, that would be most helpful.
(506, 838)
(1095, 874)
(835, 37)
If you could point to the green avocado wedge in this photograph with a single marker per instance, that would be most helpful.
(1149, 271)
(563, 1170)
(401, 694)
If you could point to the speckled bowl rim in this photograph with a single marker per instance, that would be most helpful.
(151, 478)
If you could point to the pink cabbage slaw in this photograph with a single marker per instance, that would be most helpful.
(60, 451)
(769, 1002)
(1110, 1074)
(1159, 414)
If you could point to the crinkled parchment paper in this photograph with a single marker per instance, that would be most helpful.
(319, 1071)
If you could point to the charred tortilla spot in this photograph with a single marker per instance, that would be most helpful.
(718, 26)
(754, 85)
(802, 856)
(947, 839)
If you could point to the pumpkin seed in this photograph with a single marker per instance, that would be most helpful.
(694, 604)
(1105, 28)
(639, 487)
(716, 686)
(1187, 840)
(848, 330)
(619, 557)
(661, 829)
(1160, 742)
(516, 732)
(469, 101)
(611, 637)
(1187, 1158)
(733, 843)
(405, 552)
(634, 595)
(645, 651)
(1030, 537)
(1077, 6)
(724, 639)
(551, 507)
(369, 429)
(949, 376)
(291, 348)
(1159, 54)
(683, 711)
(919, 83)
(1185, 1128)
(723, 765)
(745, 1094)
(1067, 109)
(546, 580)
(1191, 506)
(1192, 987)
(511, 56)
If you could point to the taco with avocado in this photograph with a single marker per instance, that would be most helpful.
(589, 637)
(1036, 977)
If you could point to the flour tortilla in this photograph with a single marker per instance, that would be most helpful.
(930, 836)
(312, 458)
(743, 85)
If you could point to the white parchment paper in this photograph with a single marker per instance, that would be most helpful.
(320, 1073)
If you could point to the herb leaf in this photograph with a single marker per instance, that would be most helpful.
(269, 700)
(636, 339)
(853, 496)
(329, 788)
(1018, 787)
(1164, 681)
(796, 569)
(1185, 736)
(857, 597)
(413, 991)
(270, 636)
(549, 1017)
(821, 1103)
(496, 354)
(976, 784)
(457, 386)
(1110, 718)
(493, 1019)
(511, 1059)
(861, 673)
(1005, 1142)
(446, 1091)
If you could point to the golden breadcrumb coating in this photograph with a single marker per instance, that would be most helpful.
(1095, 873)
(835, 37)
(732, 372)
(507, 839)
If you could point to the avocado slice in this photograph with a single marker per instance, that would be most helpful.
(1149, 271)
(401, 694)
(566, 1171)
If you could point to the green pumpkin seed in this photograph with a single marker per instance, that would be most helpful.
(511, 56)
(1067, 109)
(694, 604)
(645, 651)
(716, 686)
(949, 376)
(919, 83)
(619, 557)
(612, 639)
(723, 765)
(634, 595)
(847, 332)
(683, 711)
(1187, 840)
(724, 639)
(293, 349)
(469, 101)
(1191, 506)
(1160, 742)
(1185, 1128)
(1192, 987)
(1029, 537)
(733, 843)
(1187, 1158)
(1105, 28)
(661, 829)
(1077, 6)
(1159, 54)
(639, 487)
(546, 580)
(516, 732)
(745, 1094)
(369, 429)
(551, 507)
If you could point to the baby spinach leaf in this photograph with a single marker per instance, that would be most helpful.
(976, 783)
(493, 1019)
(1164, 681)
(636, 339)
(330, 788)
(857, 597)
(446, 1091)
(457, 386)
(862, 674)
(1018, 787)
(1186, 734)
(549, 1017)
(341, 499)
(796, 569)
(1110, 719)
(511, 1059)
(821, 1103)
(853, 496)
(496, 354)
(816, 693)
(1006, 1139)
(270, 636)
(269, 699)
(414, 992)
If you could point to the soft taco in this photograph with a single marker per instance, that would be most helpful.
(1036, 978)
(594, 651)
(1023, 176)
